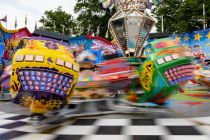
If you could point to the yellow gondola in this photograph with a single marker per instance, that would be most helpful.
(44, 74)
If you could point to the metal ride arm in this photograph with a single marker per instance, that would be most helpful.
(99, 107)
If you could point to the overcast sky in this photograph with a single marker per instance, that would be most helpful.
(34, 9)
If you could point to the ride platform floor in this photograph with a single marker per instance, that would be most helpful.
(187, 118)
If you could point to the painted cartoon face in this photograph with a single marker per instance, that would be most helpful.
(39, 69)
(196, 48)
(169, 66)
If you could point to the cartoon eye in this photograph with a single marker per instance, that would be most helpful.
(160, 61)
(29, 58)
(19, 58)
(168, 58)
(39, 58)
(59, 62)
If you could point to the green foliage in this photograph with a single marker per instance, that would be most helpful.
(90, 16)
(182, 15)
(57, 18)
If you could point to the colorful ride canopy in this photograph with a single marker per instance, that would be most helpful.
(9, 41)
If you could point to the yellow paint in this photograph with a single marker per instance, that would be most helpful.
(38, 107)
(178, 39)
(208, 44)
(186, 38)
(26, 101)
(146, 75)
(6, 30)
(198, 37)
(208, 36)
(54, 104)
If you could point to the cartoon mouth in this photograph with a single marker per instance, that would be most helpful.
(43, 80)
(179, 74)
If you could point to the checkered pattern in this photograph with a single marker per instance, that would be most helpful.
(15, 127)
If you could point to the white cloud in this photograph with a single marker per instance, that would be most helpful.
(34, 9)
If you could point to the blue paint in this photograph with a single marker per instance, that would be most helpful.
(203, 43)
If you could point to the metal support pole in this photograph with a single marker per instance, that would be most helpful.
(162, 26)
(204, 17)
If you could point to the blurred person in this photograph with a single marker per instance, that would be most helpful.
(190, 49)
(202, 58)
(199, 54)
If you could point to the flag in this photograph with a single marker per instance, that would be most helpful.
(4, 19)
(26, 20)
(35, 25)
(98, 31)
(15, 22)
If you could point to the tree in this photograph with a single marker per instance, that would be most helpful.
(90, 16)
(182, 15)
(57, 20)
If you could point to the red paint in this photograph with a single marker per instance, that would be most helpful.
(192, 103)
